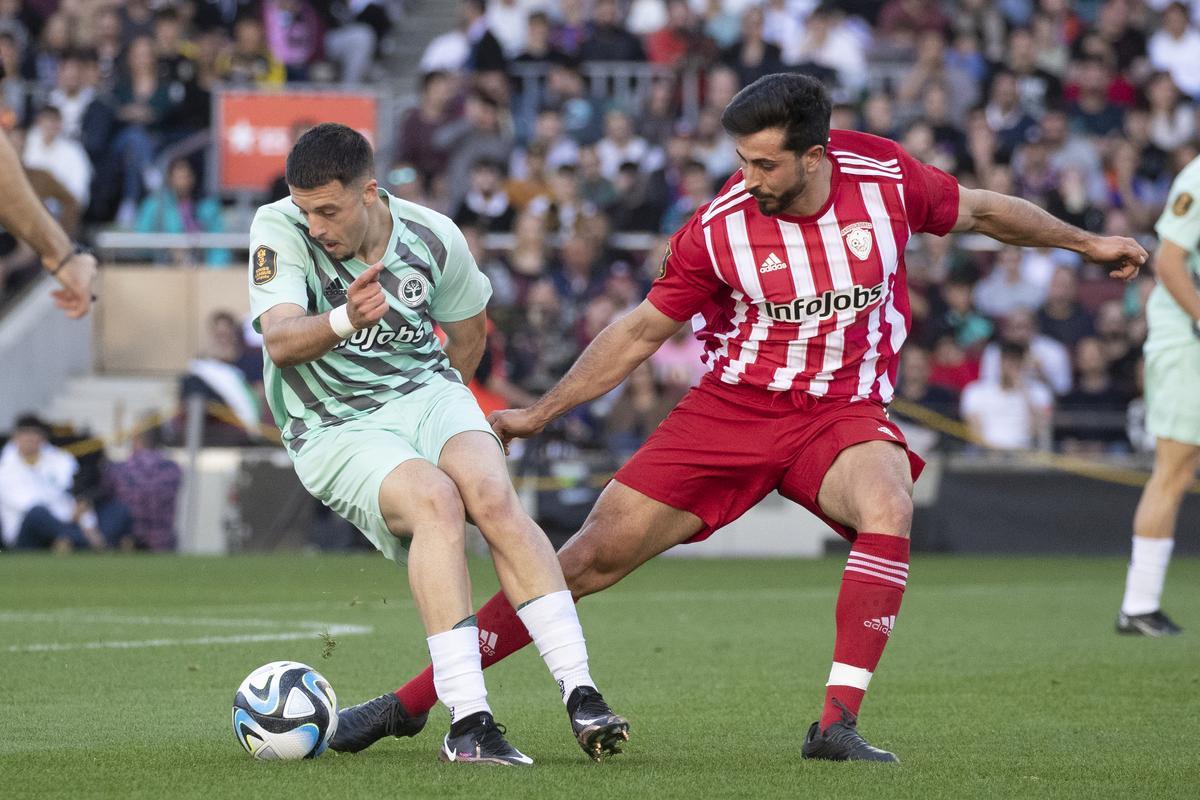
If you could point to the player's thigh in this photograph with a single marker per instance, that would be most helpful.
(624, 530)
(869, 487)
(715, 456)
(345, 468)
(416, 495)
(474, 461)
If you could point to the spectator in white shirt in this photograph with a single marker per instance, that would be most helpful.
(71, 94)
(1175, 48)
(1005, 289)
(1049, 361)
(37, 510)
(48, 148)
(620, 146)
(1013, 411)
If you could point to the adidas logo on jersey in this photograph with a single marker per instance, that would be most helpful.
(772, 263)
(334, 289)
(828, 304)
(882, 624)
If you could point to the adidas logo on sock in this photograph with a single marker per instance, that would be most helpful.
(772, 263)
(882, 624)
(487, 642)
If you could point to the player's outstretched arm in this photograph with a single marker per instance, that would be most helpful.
(23, 215)
(607, 361)
(292, 336)
(1015, 221)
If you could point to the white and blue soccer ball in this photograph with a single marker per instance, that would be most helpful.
(284, 711)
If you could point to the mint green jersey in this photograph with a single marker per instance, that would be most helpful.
(429, 276)
(1170, 325)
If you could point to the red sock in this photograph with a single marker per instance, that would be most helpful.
(501, 633)
(872, 587)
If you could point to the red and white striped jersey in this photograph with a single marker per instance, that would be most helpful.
(817, 304)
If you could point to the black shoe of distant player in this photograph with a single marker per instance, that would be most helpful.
(1156, 623)
(477, 739)
(597, 729)
(841, 741)
(362, 725)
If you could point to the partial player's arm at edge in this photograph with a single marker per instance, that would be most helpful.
(1015, 221)
(294, 337)
(465, 340)
(607, 361)
(1170, 266)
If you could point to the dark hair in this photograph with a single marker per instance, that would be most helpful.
(1013, 350)
(31, 421)
(799, 104)
(329, 152)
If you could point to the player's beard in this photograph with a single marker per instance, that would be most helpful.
(773, 204)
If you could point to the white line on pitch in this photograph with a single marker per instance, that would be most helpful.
(55, 647)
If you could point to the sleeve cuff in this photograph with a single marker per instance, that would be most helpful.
(658, 303)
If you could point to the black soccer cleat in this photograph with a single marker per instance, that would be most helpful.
(597, 729)
(362, 725)
(841, 741)
(478, 739)
(1156, 623)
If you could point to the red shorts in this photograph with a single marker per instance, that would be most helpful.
(726, 447)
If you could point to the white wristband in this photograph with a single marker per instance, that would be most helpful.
(339, 320)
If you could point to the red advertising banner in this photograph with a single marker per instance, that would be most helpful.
(256, 129)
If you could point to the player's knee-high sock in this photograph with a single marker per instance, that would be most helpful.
(1147, 573)
(457, 673)
(554, 626)
(872, 587)
(501, 633)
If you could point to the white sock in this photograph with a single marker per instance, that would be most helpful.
(457, 672)
(554, 626)
(1147, 572)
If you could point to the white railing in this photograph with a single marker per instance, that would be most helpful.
(115, 242)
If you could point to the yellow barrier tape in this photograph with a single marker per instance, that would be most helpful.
(1124, 476)
(224, 413)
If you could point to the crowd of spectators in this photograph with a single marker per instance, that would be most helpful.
(1086, 109)
(95, 91)
(528, 124)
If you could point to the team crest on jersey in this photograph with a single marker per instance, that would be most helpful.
(413, 290)
(858, 239)
(265, 264)
(662, 268)
(1182, 204)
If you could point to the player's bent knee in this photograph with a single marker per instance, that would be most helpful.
(890, 512)
(436, 504)
(494, 505)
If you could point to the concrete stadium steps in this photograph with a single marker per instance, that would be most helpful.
(109, 405)
(423, 21)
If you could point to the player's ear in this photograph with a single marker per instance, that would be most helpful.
(812, 157)
(370, 191)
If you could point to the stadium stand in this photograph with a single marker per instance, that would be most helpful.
(570, 137)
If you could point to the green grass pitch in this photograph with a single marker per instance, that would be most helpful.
(1004, 679)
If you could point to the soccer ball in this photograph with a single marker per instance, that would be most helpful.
(284, 711)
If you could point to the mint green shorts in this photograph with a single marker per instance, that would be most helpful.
(1173, 393)
(344, 466)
